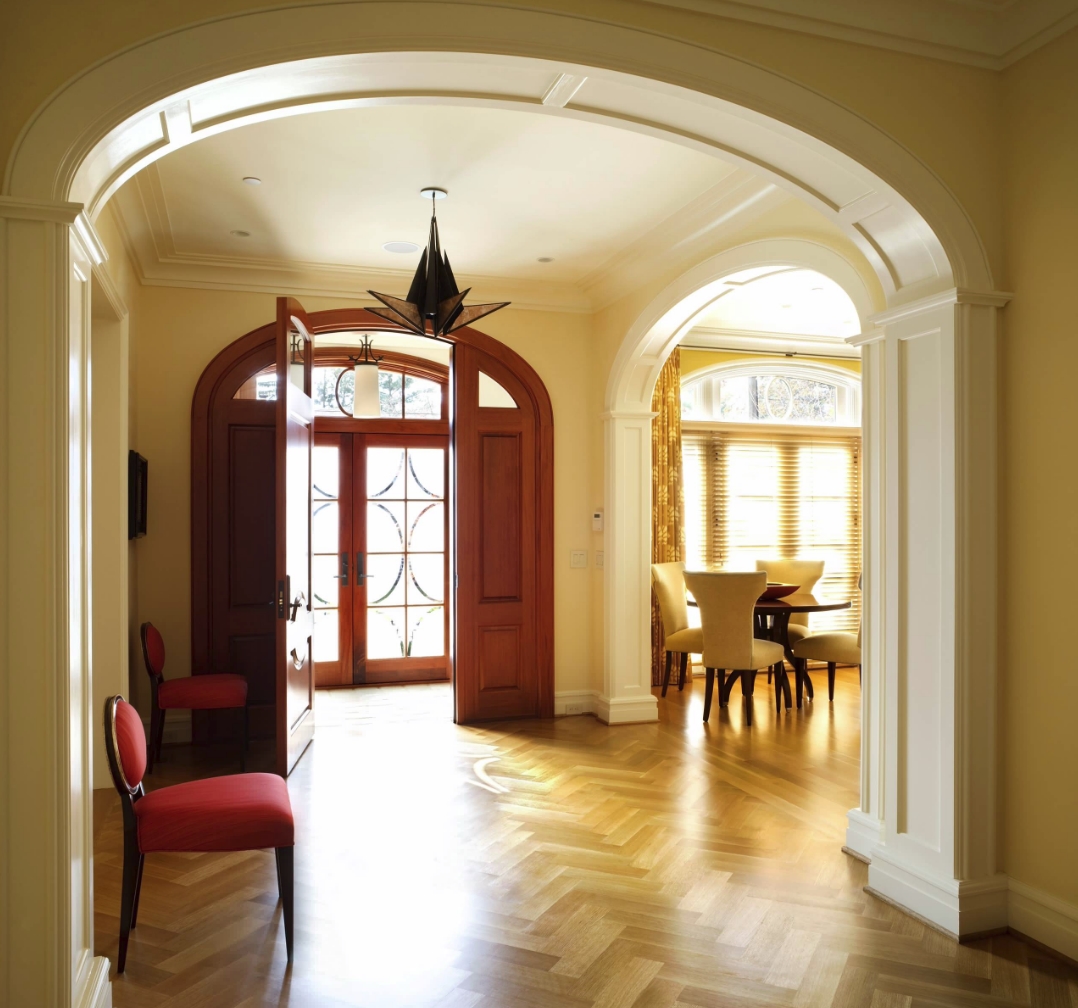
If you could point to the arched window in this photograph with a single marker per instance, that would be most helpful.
(784, 391)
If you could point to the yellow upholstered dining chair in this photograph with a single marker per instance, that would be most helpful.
(799, 572)
(668, 580)
(834, 648)
(727, 603)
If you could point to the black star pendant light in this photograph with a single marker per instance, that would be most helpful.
(434, 307)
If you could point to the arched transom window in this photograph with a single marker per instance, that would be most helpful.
(782, 392)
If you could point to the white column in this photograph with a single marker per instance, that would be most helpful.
(626, 696)
(930, 535)
(46, 836)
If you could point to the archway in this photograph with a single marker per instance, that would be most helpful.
(127, 110)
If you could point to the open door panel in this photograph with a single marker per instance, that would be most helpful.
(294, 443)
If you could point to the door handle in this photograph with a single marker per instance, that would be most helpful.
(344, 570)
(361, 577)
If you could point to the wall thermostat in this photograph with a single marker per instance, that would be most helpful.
(597, 520)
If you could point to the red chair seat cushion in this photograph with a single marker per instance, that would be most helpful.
(241, 812)
(203, 692)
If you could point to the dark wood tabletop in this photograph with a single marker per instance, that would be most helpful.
(799, 602)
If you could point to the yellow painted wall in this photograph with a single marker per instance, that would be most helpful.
(178, 331)
(1039, 694)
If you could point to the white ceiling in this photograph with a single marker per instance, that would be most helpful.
(790, 301)
(338, 185)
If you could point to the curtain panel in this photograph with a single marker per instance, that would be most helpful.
(667, 496)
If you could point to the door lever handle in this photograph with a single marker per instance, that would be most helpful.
(361, 576)
(344, 570)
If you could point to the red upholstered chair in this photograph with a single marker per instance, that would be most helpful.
(200, 692)
(235, 813)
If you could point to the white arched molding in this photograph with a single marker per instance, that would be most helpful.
(626, 693)
(156, 95)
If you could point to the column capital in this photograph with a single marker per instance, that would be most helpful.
(15, 207)
(933, 302)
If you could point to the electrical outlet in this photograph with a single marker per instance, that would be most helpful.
(574, 708)
(578, 558)
(599, 558)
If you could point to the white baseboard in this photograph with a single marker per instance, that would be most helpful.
(580, 702)
(95, 991)
(863, 833)
(956, 907)
(626, 710)
(1044, 918)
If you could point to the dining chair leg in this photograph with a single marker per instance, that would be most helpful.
(286, 881)
(666, 674)
(830, 680)
(780, 668)
(246, 736)
(799, 683)
(127, 895)
(709, 682)
(778, 688)
(748, 685)
(809, 691)
(160, 738)
(156, 715)
(138, 891)
(726, 683)
(683, 672)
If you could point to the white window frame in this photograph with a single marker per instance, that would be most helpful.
(704, 387)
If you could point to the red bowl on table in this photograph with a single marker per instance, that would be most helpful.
(776, 589)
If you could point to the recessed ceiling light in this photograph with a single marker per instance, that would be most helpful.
(251, 180)
(545, 259)
(240, 234)
(401, 246)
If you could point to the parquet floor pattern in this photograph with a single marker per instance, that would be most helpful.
(554, 864)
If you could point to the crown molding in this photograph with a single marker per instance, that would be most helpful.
(991, 34)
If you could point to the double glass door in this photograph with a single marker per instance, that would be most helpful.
(380, 565)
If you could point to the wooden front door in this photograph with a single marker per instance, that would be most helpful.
(294, 439)
(502, 650)
(380, 533)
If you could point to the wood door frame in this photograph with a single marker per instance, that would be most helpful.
(253, 352)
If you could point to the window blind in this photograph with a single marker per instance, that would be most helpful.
(753, 494)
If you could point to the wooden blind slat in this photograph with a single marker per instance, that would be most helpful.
(753, 494)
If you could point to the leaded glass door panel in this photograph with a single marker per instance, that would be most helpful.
(379, 529)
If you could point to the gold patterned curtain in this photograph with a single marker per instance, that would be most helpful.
(667, 497)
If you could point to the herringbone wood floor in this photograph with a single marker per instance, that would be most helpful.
(554, 864)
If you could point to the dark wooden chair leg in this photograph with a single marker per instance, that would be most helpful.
(156, 715)
(127, 894)
(246, 734)
(286, 880)
(799, 682)
(138, 891)
(809, 691)
(160, 738)
(709, 682)
(726, 683)
(666, 674)
(786, 697)
(748, 686)
(778, 687)
(830, 680)
(683, 671)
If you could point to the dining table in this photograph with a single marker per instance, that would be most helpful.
(772, 622)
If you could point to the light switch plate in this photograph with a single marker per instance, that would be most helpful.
(578, 558)
(599, 557)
